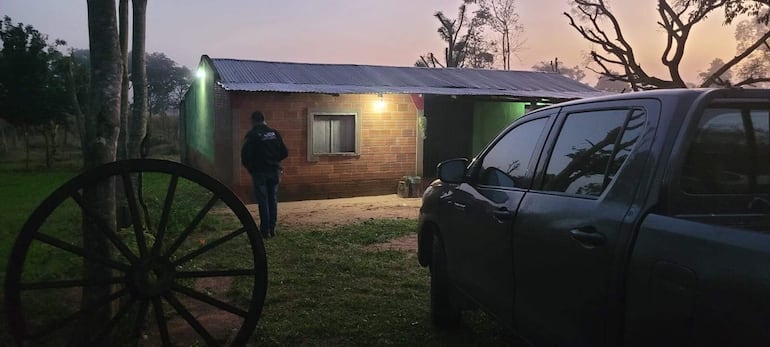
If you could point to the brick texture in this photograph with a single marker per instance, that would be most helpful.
(387, 144)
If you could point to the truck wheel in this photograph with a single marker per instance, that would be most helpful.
(443, 312)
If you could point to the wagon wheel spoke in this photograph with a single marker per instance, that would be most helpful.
(209, 246)
(141, 318)
(105, 330)
(101, 289)
(71, 283)
(194, 323)
(106, 229)
(170, 193)
(133, 208)
(160, 318)
(64, 322)
(189, 229)
(215, 273)
(80, 251)
(209, 300)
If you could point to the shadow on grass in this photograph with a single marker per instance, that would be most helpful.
(326, 288)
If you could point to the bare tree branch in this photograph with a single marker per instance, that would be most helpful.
(737, 59)
(751, 81)
(593, 20)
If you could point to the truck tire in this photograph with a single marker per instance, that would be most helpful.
(443, 311)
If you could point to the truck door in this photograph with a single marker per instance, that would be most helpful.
(478, 241)
(700, 269)
(572, 225)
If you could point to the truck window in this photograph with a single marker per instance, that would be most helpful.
(590, 150)
(730, 153)
(506, 163)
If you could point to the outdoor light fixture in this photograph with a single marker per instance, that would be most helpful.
(379, 104)
(200, 73)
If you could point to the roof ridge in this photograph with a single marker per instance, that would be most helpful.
(253, 75)
(374, 66)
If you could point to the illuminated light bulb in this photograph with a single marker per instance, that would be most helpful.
(379, 105)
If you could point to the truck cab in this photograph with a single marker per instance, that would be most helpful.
(634, 219)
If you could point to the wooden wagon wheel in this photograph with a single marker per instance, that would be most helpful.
(189, 268)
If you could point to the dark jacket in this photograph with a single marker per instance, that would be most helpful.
(263, 150)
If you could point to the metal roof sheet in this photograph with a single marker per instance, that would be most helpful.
(264, 76)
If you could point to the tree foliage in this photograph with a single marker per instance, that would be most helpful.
(575, 72)
(501, 17)
(467, 43)
(166, 82)
(596, 22)
(609, 84)
(754, 69)
(33, 89)
(466, 46)
(715, 65)
(30, 76)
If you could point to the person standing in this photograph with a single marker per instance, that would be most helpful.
(261, 154)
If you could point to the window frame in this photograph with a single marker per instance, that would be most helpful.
(475, 167)
(311, 117)
(629, 106)
(699, 206)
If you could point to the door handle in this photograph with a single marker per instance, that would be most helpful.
(503, 214)
(459, 206)
(588, 237)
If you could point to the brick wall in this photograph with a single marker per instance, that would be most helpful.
(387, 144)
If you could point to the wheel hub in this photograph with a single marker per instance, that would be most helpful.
(152, 278)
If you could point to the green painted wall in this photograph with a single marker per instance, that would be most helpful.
(199, 114)
(490, 117)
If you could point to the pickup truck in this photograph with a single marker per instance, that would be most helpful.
(631, 219)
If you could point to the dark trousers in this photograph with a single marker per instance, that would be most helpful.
(266, 194)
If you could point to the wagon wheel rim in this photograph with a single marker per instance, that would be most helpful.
(148, 277)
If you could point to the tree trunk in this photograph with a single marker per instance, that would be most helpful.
(79, 124)
(47, 148)
(165, 125)
(15, 138)
(26, 146)
(122, 213)
(144, 149)
(123, 32)
(3, 141)
(53, 131)
(138, 122)
(137, 132)
(102, 124)
(66, 131)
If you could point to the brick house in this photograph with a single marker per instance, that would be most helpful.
(353, 129)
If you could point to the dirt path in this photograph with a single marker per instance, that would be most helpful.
(334, 212)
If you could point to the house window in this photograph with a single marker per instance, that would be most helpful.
(333, 133)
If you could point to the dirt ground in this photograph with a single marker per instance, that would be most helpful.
(334, 212)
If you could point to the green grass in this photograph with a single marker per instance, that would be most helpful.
(21, 192)
(326, 285)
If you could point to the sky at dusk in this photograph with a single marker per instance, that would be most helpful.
(384, 32)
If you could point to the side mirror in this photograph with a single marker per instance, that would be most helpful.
(452, 170)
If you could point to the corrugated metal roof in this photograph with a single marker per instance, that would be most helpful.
(264, 76)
